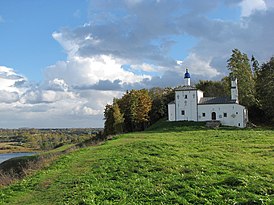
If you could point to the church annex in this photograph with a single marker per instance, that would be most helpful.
(191, 105)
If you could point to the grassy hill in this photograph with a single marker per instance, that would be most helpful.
(171, 163)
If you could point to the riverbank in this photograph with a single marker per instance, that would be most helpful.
(16, 168)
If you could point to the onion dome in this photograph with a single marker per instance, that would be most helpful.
(187, 75)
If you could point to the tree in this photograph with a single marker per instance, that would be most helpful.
(124, 104)
(140, 107)
(135, 107)
(160, 98)
(118, 119)
(212, 88)
(265, 88)
(255, 66)
(109, 120)
(240, 68)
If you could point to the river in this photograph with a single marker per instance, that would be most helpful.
(4, 157)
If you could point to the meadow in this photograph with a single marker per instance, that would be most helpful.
(170, 163)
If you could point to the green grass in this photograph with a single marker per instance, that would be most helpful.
(170, 163)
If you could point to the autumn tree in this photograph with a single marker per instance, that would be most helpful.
(140, 107)
(240, 68)
(135, 106)
(118, 119)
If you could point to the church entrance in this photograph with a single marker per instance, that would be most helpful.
(213, 116)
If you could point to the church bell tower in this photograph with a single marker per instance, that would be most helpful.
(234, 90)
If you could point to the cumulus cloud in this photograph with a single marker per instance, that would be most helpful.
(53, 103)
(126, 45)
(137, 40)
(8, 97)
(58, 85)
(10, 81)
(77, 70)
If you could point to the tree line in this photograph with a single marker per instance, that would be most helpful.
(137, 109)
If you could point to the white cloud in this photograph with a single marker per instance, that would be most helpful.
(70, 47)
(144, 67)
(250, 6)
(9, 79)
(89, 111)
(58, 84)
(122, 41)
(51, 104)
(200, 66)
(79, 71)
(8, 97)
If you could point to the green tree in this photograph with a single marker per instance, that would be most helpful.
(118, 119)
(265, 88)
(240, 68)
(160, 99)
(212, 88)
(124, 104)
(109, 120)
(255, 67)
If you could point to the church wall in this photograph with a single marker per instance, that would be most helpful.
(171, 112)
(227, 114)
(200, 94)
(186, 105)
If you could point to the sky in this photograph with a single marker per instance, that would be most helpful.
(62, 61)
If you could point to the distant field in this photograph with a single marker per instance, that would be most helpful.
(7, 147)
(28, 140)
(171, 163)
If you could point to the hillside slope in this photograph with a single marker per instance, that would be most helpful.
(184, 165)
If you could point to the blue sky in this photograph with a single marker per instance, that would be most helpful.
(26, 32)
(62, 61)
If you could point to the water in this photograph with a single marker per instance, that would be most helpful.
(4, 157)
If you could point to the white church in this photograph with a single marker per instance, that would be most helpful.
(191, 105)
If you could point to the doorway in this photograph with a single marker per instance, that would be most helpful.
(213, 116)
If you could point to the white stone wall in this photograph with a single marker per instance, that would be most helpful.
(236, 114)
(200, 95)
(171, 112)
(186, 105)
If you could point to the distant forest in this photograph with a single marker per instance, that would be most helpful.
(138, 109)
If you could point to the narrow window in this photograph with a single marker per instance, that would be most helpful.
(225, 114)
(239, 124)
(236, 113)
(178, 96)
(183, 112)
(185, 96)
(203, 114)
